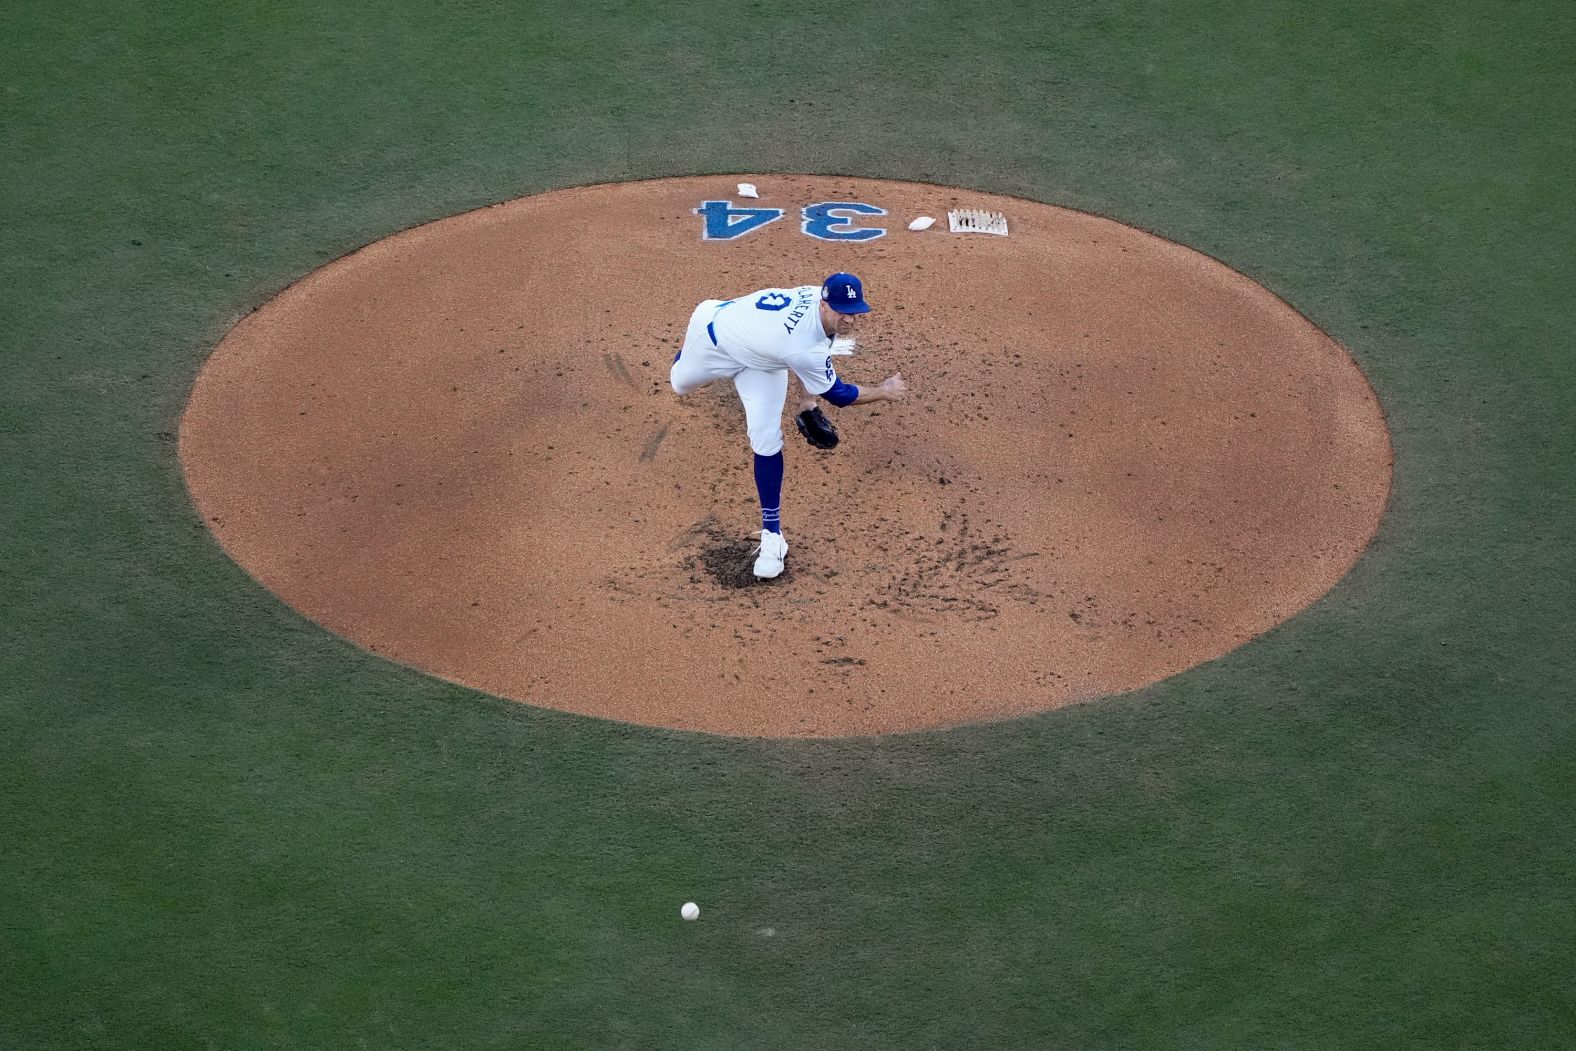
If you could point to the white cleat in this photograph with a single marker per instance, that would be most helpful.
(773, 550)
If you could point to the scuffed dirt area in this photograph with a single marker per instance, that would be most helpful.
(457, 448)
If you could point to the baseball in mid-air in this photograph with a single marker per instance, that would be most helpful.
(690, 911)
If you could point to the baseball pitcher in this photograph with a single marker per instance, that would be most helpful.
(756, 340)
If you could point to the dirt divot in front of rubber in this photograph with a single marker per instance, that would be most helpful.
(728, 561)
(457, 448)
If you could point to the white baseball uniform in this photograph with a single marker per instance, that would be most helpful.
(756, 340)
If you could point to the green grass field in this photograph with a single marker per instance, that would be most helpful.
(220, 827)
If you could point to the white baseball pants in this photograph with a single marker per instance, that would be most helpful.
(764, 392)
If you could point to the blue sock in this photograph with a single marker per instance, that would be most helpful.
(769, 484)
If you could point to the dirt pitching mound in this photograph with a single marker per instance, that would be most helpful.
(457, 447)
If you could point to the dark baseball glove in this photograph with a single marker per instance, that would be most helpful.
(816, 428)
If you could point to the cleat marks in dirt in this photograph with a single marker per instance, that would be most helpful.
(615, 364)
(653, 443)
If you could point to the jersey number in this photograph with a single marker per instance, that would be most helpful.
(773, 301)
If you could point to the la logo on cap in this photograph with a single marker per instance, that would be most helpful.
(844, 293)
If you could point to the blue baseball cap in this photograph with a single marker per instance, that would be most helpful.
(844, 294)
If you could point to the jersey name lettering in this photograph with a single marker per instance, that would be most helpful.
(796, 315)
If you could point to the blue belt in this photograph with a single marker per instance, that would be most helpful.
(710, 331)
